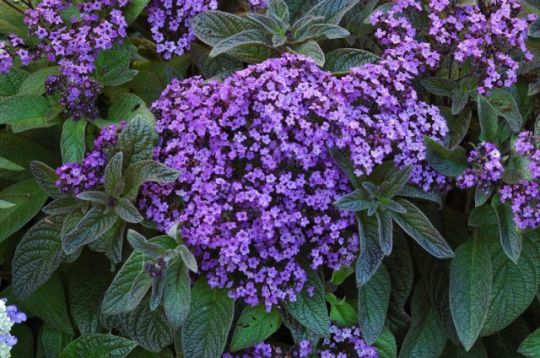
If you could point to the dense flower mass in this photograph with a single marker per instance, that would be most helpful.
(524, 196)
(71, 34)
(9, 315)
(170, 23)
(387, 107)
(78, 177)
(486, 33)
(257, 184)
(486, 168)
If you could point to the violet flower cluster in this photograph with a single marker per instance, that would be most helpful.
(170, 24)
(257, 183)
(489, 33)
(524, 196)
(9, 315)
(78, 177)
(385, 104)
(486, 170)
(73, 42)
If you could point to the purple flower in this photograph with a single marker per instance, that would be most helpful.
(486, 168)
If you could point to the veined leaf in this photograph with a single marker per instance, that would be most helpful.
(371, 255)
(341, 61)
(145, 171)
(509, 234)
(212, 27)
(177, 294)
(373, 299)
(23, 108)
(332, 10)
(46, 177)
(254, 326)
(449, 162)
(247, 37)
(530, 347)
(312, 50)
(489, 120)
(72, 142)
(98, 345)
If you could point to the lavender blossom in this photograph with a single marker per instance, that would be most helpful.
(487, 168)
(9, 315)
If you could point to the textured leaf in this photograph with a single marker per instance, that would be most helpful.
(514, 285)
(312, 50)
(128, 106)
(509, 234)
(371, 255)
(341, 311)
(91, 227)
(128, 212)
(505, 105)
(332, 10)
(177, 294)
(23, 108)
(219, 67)
(449, 162)
(247, 37)
(255, 325)
(373, 299)
(394, 182)
(530, 347)
(98, 345)
(145, 171)
(113, 174)
(316, 31)
(133, 9)
(148, 328)
(72, 142)
(458, 126)
(425, 338)
(37, 256)
(205, 331)
(6, 164)
(111, 242)
(341, 61)
(413, 192)
(386, 344)
(439, 86)
(212, 27)
(310, 310)
(418, 226)
(136, 141)
(386, 230)
(188, 258)
(140, 244)
(46, 177)
(278, 9)
(34, 84)
(489, 120)
(51, 342)
(357, 200)
(28, 198)
(11, 82)
(471, 278)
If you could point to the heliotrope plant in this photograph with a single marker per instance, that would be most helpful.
(278, 178)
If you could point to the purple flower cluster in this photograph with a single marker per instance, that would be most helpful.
(386, 107)
(525, 195)
(74, 42)
(257, 184)
(11, 49)
(486, 33)
(170, 24)
(87, 175)
(486, 168)
(257, 4)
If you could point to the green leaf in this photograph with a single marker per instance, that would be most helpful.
(514, 285)
(28, 199)
(146, 327)
(278, 9)
(316, 31)
(459, 101)
(247, 37)
(37, 256)
(205, 331)
(6, 204)
(341, 61)
(98, 345)
(357, 200)
(332, 10)
(9, 165)
(530, 347)
(425, 338)
(439, 86)
(87, 282)
(48, 303)
(339, 276)
(34, 84)
(415, 223)
(90, 228)
(188, 258)
(394, 182)
(506, 106)
(489, 120)
(62, 206)
(509, 234)
(310, 310)
(72, 141)
(373, 299)
(113, 174)
(140, 244)
(414, 192)
(458, 126)
(177, 294)
(51, 342)
(111, 243)
(112, 66)
(449, 162)
(255, 325)
(386, 230)
(11, 82)
(129, 286)
(386, 344)
(516, 169)
(312, 50)
(23, 108)
(127, 211)
(146, 171)
(46, 177)
(133, 9)
(137, 141)
(212, 27)
(371, 255)
(219, 67)
(471, 278)
(128, 106)
(341, 312)
(97, 197)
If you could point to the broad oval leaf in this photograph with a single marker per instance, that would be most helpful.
(212, 27)
(449, 162)
(373, 299)
(177, 294)
(98, 345)
(254, 326)
(205, 331)
(23, 108)
(530, 347)
(37, 256)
